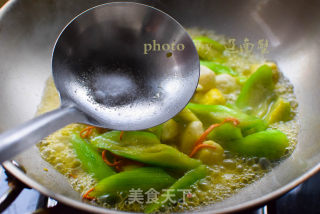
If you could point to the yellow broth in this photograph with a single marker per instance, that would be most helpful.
(225, 178)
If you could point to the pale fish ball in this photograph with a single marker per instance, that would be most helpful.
(190, 135)
(210, 156)
(226, 83)
(207, 78)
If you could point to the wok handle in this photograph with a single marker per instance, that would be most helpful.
(9, 196)
(14, 190)
(16, 140)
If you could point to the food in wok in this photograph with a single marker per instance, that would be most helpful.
(240, 123)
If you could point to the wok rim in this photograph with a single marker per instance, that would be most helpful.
(21, 176)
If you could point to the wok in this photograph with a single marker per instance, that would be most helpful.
(28, 29)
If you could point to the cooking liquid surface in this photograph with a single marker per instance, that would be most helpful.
(224, 180)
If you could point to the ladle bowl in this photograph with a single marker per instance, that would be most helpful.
(123, 66)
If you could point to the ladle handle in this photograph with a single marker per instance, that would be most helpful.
(16, 140)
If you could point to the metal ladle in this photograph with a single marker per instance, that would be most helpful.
(108, 76)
